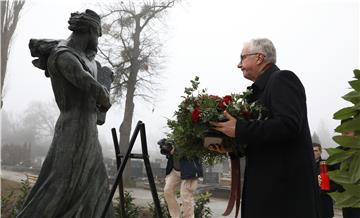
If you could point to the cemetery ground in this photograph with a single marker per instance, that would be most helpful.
(11, 181)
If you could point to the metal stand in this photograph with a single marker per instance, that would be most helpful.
(140, 127)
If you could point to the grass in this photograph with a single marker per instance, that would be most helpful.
(10, 191)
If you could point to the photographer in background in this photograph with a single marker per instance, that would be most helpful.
(183, 173)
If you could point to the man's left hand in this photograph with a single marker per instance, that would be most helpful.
(218, 148)
(227, 127)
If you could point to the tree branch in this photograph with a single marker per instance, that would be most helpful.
(155, 10)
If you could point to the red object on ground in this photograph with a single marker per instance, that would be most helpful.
(325, 180)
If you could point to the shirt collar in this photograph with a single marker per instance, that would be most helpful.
(260, 83)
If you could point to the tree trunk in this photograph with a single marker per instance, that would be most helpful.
(9, 19)
(125, 131)
(4, 59)
(125, 127)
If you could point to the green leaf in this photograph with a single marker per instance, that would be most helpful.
(345, 199)
(339, 198)
(353, 97)
(352, 125)
(353, 200)
(339, 157)
(357, 73)
(345, 165)
(332, 151)
(355, 84)
(347, 141)
(353, 189)
(339, 176)
(356, 107)
(344, 113)
(355, 168)
(357, 205)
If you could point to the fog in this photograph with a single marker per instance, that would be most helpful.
(318, 40)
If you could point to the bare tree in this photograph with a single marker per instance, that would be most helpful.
(12, 129)
(41, 117)
(35, 125)
(315, 138)
(132, 47)
(28, 134)
(9, 18)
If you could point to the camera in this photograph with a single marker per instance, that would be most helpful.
(165, 146)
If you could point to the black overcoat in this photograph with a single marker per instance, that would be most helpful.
(279, 175)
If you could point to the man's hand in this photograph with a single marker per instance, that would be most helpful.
(218, 148)
(319, 180)
(227, 127)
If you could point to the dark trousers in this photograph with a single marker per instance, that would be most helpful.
(350, 212)
(326, 205)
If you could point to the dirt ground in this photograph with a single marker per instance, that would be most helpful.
(141, 198)
(8, 199)
(7, 186)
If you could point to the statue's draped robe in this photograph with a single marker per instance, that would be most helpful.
(73, 180)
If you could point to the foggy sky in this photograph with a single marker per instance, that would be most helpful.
(318, 40)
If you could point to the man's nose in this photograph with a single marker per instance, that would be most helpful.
(239, 65)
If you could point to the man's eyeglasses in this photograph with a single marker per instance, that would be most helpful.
(244, 56)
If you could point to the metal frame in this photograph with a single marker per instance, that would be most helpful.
(140, 127)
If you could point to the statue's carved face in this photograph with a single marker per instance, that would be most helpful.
(93, 40)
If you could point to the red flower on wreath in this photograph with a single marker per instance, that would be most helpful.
(215, 97)
(195, 115)
(226, 100)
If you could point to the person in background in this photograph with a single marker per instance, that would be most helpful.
(183, 173)
(326, 202)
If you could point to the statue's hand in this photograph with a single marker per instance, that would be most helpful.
(104, 100)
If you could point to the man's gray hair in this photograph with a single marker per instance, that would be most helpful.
(264, 46)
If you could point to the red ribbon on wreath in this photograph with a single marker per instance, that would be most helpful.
(235, 191)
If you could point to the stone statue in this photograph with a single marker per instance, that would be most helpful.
(73, 181)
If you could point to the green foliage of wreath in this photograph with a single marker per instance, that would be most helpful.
(196, 110)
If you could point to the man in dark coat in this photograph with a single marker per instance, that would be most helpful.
(279, 175)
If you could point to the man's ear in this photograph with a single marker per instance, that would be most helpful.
(260, 59)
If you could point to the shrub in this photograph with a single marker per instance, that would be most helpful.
(347, 155)
(163, 206)
(12, 203)
(131, 210)
(200, 209)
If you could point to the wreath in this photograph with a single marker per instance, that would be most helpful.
(191, 124)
